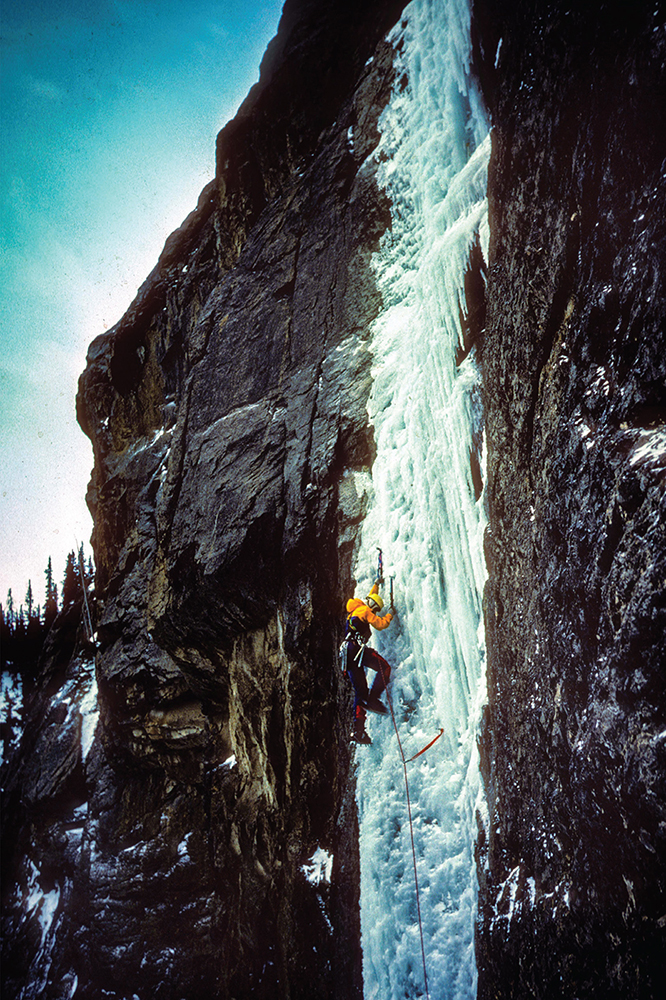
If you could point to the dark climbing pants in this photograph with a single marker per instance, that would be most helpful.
(356, 667)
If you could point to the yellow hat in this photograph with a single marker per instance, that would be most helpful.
(377, 599)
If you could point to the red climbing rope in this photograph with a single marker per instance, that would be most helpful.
(427, 747)
(411, 827)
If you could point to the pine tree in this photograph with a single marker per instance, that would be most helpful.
(51, 605)
(10, 609)
(19, 625)
(9, 631)
(5, 638)
(71, 586)
(29, 601)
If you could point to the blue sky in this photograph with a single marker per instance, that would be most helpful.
(108, 115)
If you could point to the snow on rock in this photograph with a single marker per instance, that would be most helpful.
(318, 869)
(183, 852)
(89, 710)
(11, 707)
(650, 448)
(39, 905)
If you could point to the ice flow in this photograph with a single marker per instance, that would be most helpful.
(426, 414)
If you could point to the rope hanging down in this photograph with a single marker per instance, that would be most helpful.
(411, 826)
(405, 762)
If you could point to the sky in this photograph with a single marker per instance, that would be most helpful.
(109, 111)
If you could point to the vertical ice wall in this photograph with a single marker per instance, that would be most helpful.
(423, 514)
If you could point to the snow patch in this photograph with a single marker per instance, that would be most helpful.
(89, 709)
(40, 904)
(183, 851)
(319, 868)
(508, 894)
(585, 432)
(47, 911)
(650, 448)
(11, 709)
(600, 383)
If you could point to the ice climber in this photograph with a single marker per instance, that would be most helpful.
(356, 657)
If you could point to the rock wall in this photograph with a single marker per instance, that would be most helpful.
(573, 867)
(185, 853)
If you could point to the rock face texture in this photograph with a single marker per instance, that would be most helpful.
(188, 853)
(573, 873)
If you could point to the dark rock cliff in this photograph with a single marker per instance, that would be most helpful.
(227, 412)
(573, 875)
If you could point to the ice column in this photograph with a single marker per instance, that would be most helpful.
(423, 514)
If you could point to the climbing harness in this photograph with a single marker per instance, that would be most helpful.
(344, 653)
(358, 639)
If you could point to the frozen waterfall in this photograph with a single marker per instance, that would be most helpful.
(426, 412)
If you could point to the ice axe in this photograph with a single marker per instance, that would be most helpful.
(380, 575)
(380, 567)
